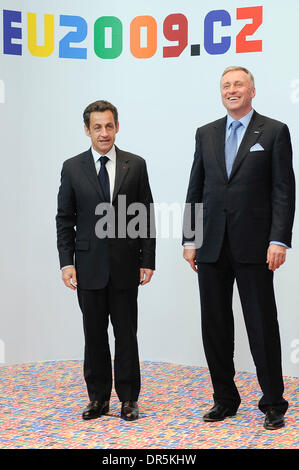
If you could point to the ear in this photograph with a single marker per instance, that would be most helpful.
(253, 92)
(87, 132)
(117, 128)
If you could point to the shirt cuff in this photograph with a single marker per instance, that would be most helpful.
(278, 243)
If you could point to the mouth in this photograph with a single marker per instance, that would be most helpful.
(232, 99)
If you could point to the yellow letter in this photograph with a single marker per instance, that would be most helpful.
(48, 48)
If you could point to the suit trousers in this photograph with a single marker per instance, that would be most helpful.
(121, 305)
(255, 286)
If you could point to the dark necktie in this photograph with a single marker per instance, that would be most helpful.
(104, 178)
(231, 146)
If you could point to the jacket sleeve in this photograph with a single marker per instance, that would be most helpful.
(148, 243)
(283, 188)
(66, 219)
(194, 193)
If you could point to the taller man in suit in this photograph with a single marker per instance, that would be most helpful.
(242, 173)
(109, 265)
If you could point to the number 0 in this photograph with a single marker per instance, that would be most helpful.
(150, 24)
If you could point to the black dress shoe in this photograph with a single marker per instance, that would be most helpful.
(95, 409)
(129, 410)
(274, 419)
(218, 413)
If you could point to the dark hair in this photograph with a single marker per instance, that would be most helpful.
(99, 106)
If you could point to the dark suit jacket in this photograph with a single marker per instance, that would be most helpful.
(257, 202)
(96, 259)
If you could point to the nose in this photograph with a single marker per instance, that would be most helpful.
(104, 132)
(232, 89)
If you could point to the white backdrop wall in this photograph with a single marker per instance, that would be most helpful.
(161, 102)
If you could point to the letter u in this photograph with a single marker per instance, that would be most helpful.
(47, 49)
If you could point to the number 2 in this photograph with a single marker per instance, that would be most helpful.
(65, 50)
(256, 14)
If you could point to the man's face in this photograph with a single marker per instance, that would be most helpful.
(102, 131)
(237, 92)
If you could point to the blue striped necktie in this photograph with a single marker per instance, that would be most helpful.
(231, 146)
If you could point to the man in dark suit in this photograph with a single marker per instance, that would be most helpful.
(242, 173)
(97, 189)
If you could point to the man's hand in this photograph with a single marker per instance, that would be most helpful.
(69, 277)
(145, 275)
(190, 257)
(276, 256)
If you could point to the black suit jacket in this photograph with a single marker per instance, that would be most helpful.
(257, 202)
(97, 259)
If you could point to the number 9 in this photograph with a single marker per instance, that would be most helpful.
(180, 34)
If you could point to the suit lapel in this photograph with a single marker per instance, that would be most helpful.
(89, 169)
(122, 168)
(252, 134)
(219, 144)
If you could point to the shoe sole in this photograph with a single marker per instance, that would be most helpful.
(213, 420)
(129, 418)
(103, 412)
(273, 428)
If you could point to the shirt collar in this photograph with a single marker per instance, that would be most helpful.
(244, 120)
(111, 154)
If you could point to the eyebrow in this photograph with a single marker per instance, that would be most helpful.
(235, 82)
(101, 125)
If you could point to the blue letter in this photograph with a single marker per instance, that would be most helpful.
(210, 46)
(9, 32)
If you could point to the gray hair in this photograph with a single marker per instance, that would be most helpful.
(234, 68)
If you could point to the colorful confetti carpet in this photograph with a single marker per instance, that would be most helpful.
(41, 406)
